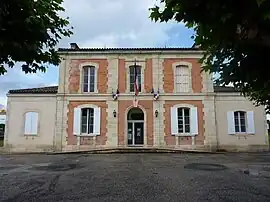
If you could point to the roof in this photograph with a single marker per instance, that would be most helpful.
(42, 90)
(53, 90)
(125, 49)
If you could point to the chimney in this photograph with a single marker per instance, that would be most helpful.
(74, 46)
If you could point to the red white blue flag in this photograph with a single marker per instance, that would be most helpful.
(136, 80)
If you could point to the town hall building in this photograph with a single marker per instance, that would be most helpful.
(132, 98)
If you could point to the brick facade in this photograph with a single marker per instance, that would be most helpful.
(100, 139)
(75, 75)
(168, 72)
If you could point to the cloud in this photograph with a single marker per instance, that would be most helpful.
(117, 23)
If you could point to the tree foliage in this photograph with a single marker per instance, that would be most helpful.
(29, 32)
(235, 37)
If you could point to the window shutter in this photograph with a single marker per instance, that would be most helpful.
(194, 121)
(77, 121)
(27, 123)
(230, 121)
(34, 123)
(250, 122)
(174, 121)
(97, 121)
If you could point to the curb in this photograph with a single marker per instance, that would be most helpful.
(115, 151)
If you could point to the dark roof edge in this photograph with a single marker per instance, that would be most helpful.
(41, 90)
(54, 89)
(126, 49)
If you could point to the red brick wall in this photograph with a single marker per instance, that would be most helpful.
(168, 72)
(74, 75)
(122, 76)
(148, 76)
(100, 139)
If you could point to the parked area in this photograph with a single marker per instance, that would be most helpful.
(135, 177)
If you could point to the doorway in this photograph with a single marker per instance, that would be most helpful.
(135, 127)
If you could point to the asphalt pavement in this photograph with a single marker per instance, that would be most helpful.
(135, 177)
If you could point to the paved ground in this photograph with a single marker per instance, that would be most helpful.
(135, 177)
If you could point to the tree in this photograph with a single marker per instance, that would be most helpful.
(29, 32)
(235, 38)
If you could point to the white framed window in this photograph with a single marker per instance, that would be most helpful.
(132, 73)
(183, 115)
(184, 121)
(182, 78)
(86, 121)
(31, 123)
(89, 79)
(240, 122)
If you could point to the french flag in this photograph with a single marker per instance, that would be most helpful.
(136, 80)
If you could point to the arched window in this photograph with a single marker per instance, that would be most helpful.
(31, 123)
(135, 76)
(240, 121)
(182, 78)
(87, 123)
(183, 115)
(89, 79)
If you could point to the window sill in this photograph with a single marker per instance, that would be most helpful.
(185, 135)
(89, 93)
(87, 135)
(243, 134)
(31, 135)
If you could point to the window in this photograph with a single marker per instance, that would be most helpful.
(183, 115)
(182, 78)
(240, 121)
(31, 123)
(89, 79)
(87, 118)
(132, 73)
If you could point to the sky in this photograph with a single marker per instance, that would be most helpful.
(103, 23)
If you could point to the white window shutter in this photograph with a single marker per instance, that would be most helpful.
(174, 121)
(77, 121)
(250, 122)
(230, 122)
(34, 123)
(27, 124)
(97, 121)
(194, 121)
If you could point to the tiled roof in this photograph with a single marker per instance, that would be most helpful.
(225, 89)
(126, 49)
(53, 90)
(42, 90)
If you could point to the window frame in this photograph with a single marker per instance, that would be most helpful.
(132, 82)
(38, 123)
(237, 116)
(182, 109)
(88, 117)
(186, 64)
(139, 62)
(82, 67)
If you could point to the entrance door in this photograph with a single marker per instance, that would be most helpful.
(138, 133)
(135, 133)
(135, 127)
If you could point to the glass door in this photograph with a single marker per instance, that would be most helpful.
(130, 133)
(138, 133)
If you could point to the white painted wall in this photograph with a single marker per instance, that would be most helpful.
(233, 103)
(15, 139)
